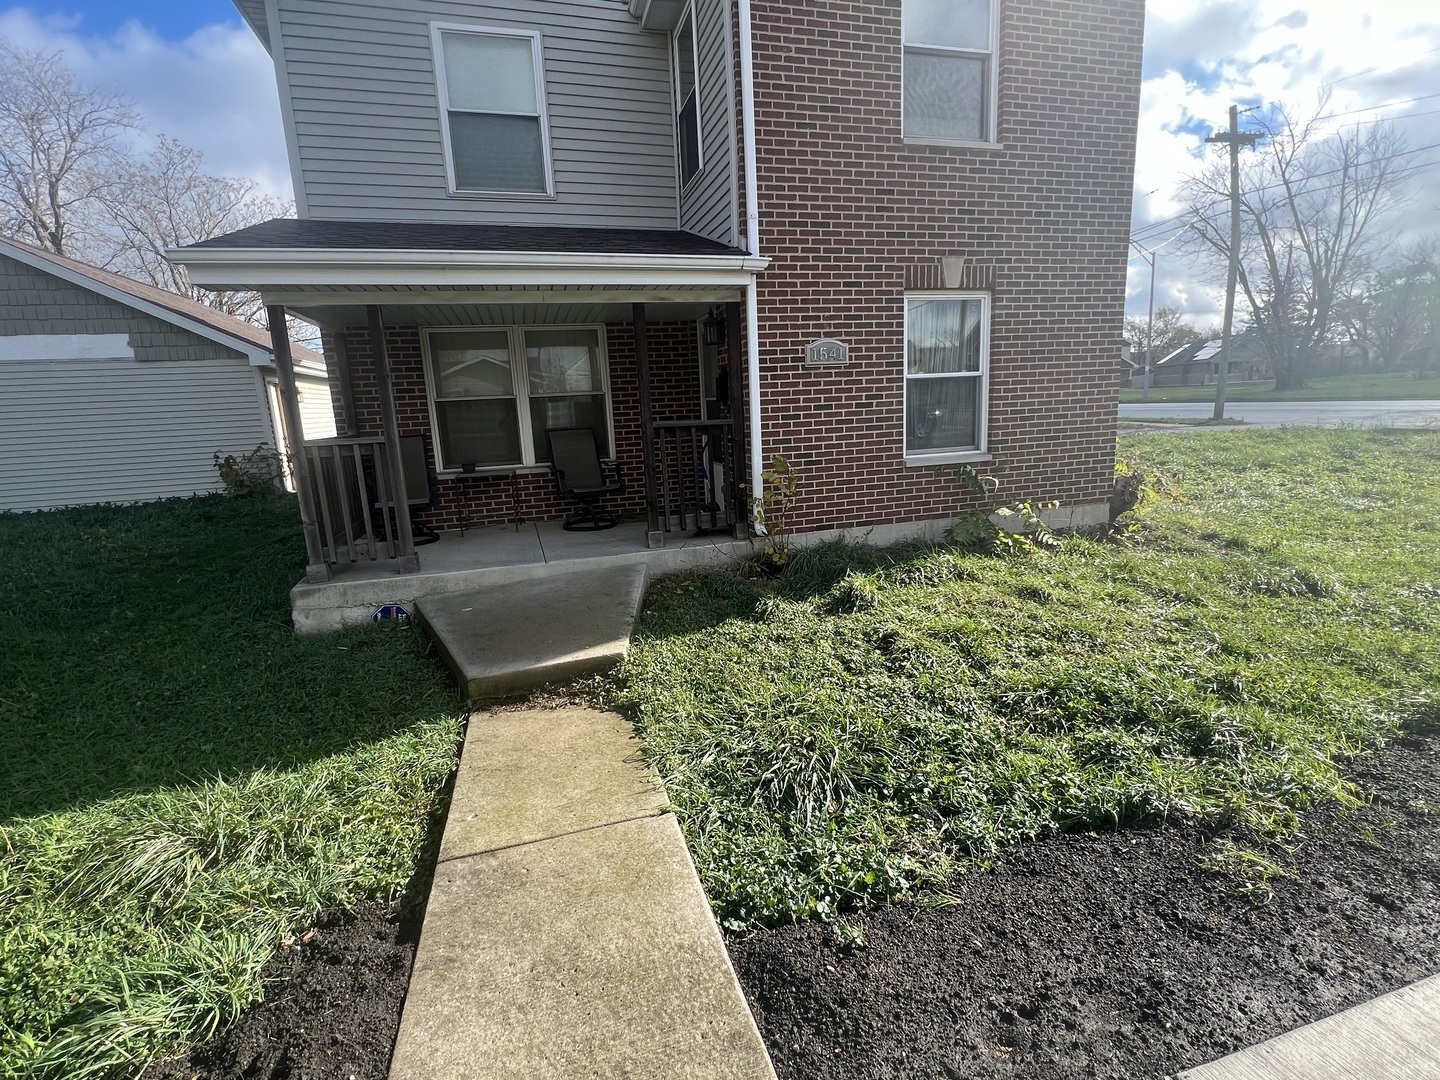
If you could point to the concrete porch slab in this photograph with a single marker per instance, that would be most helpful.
(1394, 1037)
(512, 637)
(567, 935)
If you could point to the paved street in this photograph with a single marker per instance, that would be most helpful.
(1400, 414)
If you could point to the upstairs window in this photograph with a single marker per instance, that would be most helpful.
(492, 100)
(948, 70)
(687, 98)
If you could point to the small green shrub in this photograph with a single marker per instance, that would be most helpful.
(258, 470)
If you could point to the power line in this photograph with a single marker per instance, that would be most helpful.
(1145, 231)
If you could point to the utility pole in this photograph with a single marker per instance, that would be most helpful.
(1149, 257)
(1235, 138)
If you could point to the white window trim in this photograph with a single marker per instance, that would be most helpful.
(521, 374)
(992, 90)
(686, 186)
(944, 457)
(537, 56)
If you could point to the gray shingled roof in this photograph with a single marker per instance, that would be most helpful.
(293, 234)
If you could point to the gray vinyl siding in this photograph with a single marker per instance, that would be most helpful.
(82, 431)
(367, 115)
(708, 206)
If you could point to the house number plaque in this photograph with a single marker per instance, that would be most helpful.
(827, 352)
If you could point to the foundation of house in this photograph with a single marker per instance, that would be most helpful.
(502, 554)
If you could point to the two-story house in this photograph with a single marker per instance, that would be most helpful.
(874, 237)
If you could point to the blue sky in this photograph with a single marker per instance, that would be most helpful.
(197, 73)
(167, 18)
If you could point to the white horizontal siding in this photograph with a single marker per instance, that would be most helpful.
(85, 431)
(708, 205)
(368, 125)
(317, 414)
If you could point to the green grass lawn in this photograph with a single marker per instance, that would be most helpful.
(182, 780)
(1398, 386)
(861, 727)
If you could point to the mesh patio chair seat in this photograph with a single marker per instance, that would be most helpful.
(581, 476)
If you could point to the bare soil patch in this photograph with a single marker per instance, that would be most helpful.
(1116, 956)
(331, 1009)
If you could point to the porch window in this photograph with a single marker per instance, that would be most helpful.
(947, 70)
(492, 101)
(947, 346)
(495, 391)
(687, 98)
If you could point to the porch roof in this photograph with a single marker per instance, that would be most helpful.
(345, 262)
(280, 234)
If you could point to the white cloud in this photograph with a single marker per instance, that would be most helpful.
(1203, 56)
(214, 90)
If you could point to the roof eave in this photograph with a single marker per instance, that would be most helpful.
(256, 355)
(263, 268)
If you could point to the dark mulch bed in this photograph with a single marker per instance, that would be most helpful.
(1083, 956)
(331, 1013)
(1112, 956)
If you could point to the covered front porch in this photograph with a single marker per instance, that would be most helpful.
(453, 369)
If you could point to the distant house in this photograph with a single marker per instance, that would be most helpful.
(1198, 364)
(113, 391)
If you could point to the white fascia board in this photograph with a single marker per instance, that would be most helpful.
(460, 269)
(256, 355)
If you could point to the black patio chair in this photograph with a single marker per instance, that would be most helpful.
(422, 491)
(580, 475)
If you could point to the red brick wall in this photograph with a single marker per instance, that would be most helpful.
(846, 206)
(490, 499)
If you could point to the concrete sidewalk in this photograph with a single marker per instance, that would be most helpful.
(1395, 1037)
(567, 935)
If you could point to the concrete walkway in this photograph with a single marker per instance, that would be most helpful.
(507, 638)
(1395, 1037)
(567, 935)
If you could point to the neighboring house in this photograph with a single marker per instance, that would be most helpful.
(113, 391)
(879, 239)
(1198, 364)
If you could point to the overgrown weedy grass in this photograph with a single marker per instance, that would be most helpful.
(182, 780)
(855, 730)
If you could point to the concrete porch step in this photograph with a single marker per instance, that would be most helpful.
(506, 638)
(567, 936)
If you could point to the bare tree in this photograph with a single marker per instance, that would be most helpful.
(60, 142)
(166, 200)
(1314, 206)
(1389, 318)
(1171, 331)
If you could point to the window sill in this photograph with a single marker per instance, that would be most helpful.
(969, 457)
(508, 196)
(964, 144)
(490, 472)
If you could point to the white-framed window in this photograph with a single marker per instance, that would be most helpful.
(495, 391)
(685, 62)
(948, 70)
(947, 375)
(492, 110)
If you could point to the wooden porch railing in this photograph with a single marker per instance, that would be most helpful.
(696, 474)
(355, 502)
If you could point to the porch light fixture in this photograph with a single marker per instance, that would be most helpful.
(713, 328)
